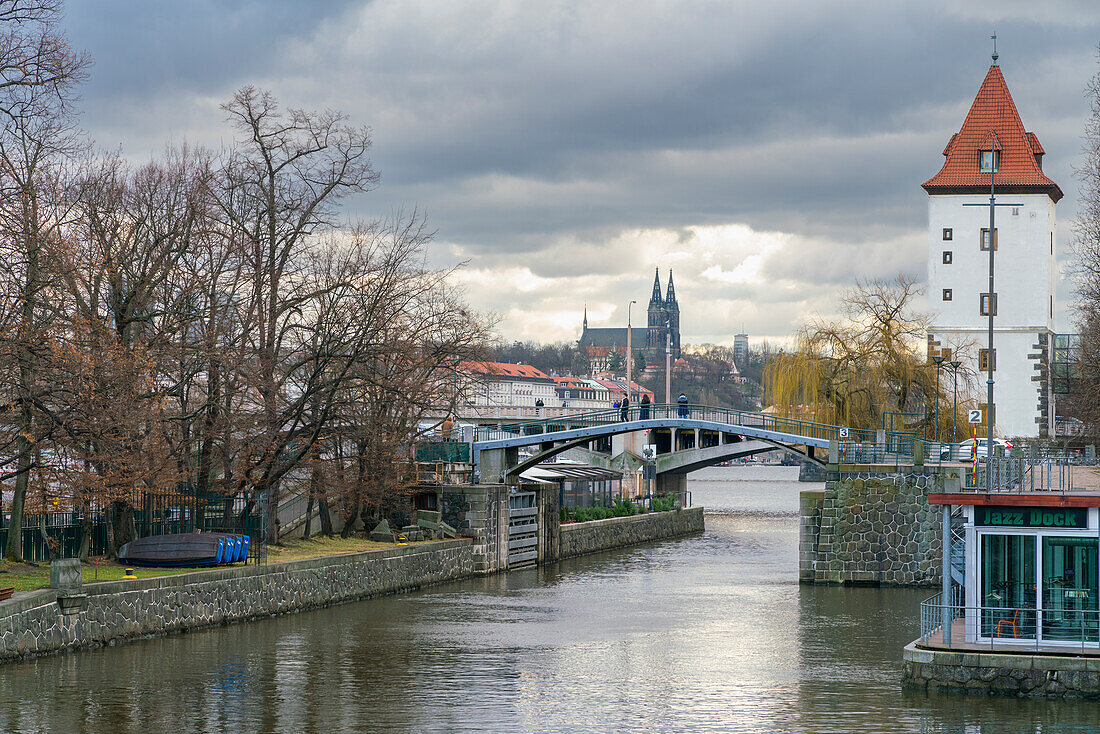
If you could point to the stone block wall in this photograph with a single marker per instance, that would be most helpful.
(872, 529)
(809, 532)
(549, 500)
(480, 512)
(114, 611)
(616, 532)
(998, 674)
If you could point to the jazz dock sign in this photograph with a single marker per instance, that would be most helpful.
(1032, 517)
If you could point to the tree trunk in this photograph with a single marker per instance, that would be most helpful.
(120, 527)
(19, 496)
(325, 517)
(308, 526)
(86, 530)
(349, 520)
(50, 552)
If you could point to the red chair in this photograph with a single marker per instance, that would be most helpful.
(1009, 624)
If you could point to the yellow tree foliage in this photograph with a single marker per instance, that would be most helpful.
(869, 362)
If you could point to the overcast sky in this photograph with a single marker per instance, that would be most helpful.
(769, 153)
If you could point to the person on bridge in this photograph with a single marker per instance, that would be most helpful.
(538, 407)
(624, 409)
(683, 401)
(645, 407)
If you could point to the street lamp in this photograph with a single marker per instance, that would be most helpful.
(938, 358)
(992, 308)
(629, 355)
(954, 365)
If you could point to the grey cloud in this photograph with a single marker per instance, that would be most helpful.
(537, 134)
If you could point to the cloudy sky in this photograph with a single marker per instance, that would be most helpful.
(769, 153)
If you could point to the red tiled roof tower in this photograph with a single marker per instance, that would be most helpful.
(1020, 168)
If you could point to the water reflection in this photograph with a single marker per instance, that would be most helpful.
(711, 633)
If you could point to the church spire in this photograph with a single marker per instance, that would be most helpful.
(584, 326)
(670, 299)
(655, 299)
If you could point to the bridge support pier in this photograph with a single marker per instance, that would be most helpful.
(495, 462)
(669, 483)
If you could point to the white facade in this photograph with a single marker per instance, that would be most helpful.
(1025, 285)
(504, 391)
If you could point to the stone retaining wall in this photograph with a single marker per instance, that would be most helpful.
(105, 613)
(871, 529)
(120, 610)
(615, 532)
(999, 674)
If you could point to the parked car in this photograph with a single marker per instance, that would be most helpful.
(964, 450)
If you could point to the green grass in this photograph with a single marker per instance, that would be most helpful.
(317, 546)
(25, 577)
(28, 577)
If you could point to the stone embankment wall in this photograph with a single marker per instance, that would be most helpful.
(616, 532)
(1036, 676)
(871, 529)
(121, 610)
(111, 612)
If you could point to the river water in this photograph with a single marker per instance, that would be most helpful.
(707, 634)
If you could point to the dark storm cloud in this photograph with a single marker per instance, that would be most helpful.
(558, 138)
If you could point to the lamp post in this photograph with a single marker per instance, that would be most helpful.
(668, 363)
(629, 354)
(992, 301)
(938, 358)
(954, 365)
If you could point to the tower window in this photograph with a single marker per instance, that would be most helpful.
(988, 160)
(987, 304)
(984, 242)
(983, 360)
(947, 234)
(947, 257)
(947, 294)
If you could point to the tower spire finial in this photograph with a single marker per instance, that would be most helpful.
(585, 325)
(995, 57)
(655, 300)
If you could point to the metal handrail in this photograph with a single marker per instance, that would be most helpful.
(860, 446)
(748, 419)
(999, 621)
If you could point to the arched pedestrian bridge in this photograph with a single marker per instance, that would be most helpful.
(687, 437)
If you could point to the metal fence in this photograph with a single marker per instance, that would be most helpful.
(1014, 474)
(57, 535)
(1008, 627)
(748, 419)
(60, 534)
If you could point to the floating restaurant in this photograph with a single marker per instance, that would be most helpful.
(1018, 611)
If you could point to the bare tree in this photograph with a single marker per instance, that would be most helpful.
(118, 266)
(1083, 402)
(278, 194)
(854, 370)
(38, 77)
(38, 69)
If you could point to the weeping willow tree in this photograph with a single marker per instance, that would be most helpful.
(870, 362)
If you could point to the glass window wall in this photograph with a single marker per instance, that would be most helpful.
(1069, 589)
(1008, 586)
(1039, 584)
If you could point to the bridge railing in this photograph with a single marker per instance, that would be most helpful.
(744, 418)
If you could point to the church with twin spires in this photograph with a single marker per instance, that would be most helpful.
(662, 329)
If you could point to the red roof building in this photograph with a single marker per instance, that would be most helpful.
(993, 123)
(993, 148)
(504, 369)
